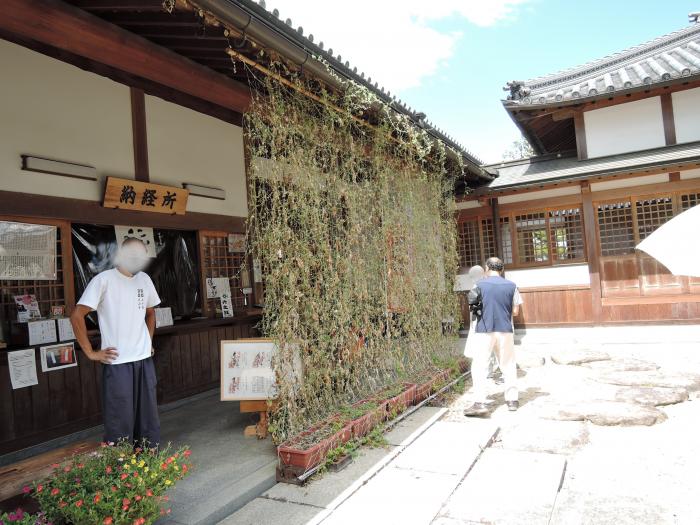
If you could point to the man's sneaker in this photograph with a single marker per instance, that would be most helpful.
(512, 405)
(476, 410)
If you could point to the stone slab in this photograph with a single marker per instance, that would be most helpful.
(575, 356)
(557, 437)
(263, 511)
(405, 429)
(690, 382)
(652, 396)
(604, 413)
(448, 447)
(622, 365)
(527, 359)
(610, 509)
(396, 496)
(509, 487)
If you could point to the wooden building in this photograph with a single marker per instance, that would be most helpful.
(617, 145)
(149, 92)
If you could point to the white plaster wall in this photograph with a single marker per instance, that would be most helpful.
(690, 174)
(55, 110)
(686, 114)
(544, 194)
(575, 274)
(187, 146)
(633, 126)
(629, 182)
(467, 205)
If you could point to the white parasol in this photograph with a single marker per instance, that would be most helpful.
(676, 244)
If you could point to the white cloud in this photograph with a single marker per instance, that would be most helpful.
(391, 40)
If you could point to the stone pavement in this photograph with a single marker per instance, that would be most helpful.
(609, 438)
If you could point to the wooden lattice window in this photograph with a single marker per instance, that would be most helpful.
(566, 234)
(506, 240)
(652, 213)
(58, 292)
(689, 200)
(218, 261)
(531, 235)
(616, 228)
(476, 242)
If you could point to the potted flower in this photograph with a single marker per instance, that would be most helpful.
(111, 486)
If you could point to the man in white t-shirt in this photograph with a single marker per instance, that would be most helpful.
(124, 298)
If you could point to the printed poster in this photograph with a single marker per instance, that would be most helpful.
(138, 232)
(27, 308)
(42, 332)
(22, 365)
(236, 243)
(27, 251)
(56, 357)
(218, 287)
(65, 329)
(164, 317)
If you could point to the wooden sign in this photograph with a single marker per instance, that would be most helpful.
(129, 194)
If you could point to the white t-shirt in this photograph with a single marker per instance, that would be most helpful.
(121, 304)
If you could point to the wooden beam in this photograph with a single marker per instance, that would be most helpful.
(496, 223)
(668, 119)
(138, 130)
(71, 29)
(580, 127)
(590, 231)
(79, 210)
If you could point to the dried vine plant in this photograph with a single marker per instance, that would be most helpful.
(352, 220)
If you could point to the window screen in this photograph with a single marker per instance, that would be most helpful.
(531, 234)
(616, 228)
(566, 234)
(652, 213)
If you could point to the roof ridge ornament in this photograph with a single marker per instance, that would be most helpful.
(517, 90)
(694, 17)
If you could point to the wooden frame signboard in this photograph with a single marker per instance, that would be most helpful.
(247, 373)
(130, 194)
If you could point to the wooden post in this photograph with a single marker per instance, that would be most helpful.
(580, 129)
(497, 234)
(589, 226)
(668, 119)
(138, 130)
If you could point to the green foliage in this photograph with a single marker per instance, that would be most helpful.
(354, 227)
(112, 486)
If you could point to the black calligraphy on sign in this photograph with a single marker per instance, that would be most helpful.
(149, 197)
(137, 233)
(169, 199)
(128, 195)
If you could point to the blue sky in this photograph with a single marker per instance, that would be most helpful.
(450, 58)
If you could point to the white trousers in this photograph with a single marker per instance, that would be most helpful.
(500, 343)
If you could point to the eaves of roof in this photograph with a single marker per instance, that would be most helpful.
(538, 171)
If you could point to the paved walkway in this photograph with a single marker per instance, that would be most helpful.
(589, 445)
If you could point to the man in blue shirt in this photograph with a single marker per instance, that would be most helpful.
(500, 302)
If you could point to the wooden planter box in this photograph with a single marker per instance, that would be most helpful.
(305, 459)
(364, 424)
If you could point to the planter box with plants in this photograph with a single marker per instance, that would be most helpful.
(308, 449)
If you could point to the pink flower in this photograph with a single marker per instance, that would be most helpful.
(26, 489)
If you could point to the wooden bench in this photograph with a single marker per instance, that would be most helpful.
(14, 477)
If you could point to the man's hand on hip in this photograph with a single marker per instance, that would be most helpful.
(105, 356)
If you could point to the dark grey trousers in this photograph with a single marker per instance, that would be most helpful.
(129, 404)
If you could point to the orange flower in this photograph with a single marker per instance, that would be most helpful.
(149, 492)
(39, 488)
(163, 466)
(124, 476)
(55, 465)
(126, 501)
(139, 521)
(170, 460)
(26, 489)
(54, 491)
(81, 465)
(137, 497)
(79, 503)
(66, 469)
(96, 499)
(107, 521)
(185, 468)
(62, 504)
(136, 474)
(187, 453)
(114, 488)
(108, 470)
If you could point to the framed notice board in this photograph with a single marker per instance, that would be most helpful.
(247, 373)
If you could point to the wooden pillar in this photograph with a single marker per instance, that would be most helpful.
(668, 119)
(497, 234)
(580, 129)
(592, 252)
(138, 130)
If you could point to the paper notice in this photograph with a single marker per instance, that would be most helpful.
(41, 332)
(65, 329)
(22, 364)
(27, 251)
(142, 233)
(218, 287)
(164, 317)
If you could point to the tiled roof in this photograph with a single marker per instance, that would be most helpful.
(336, 61)
(536, 171)
(664, 59)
